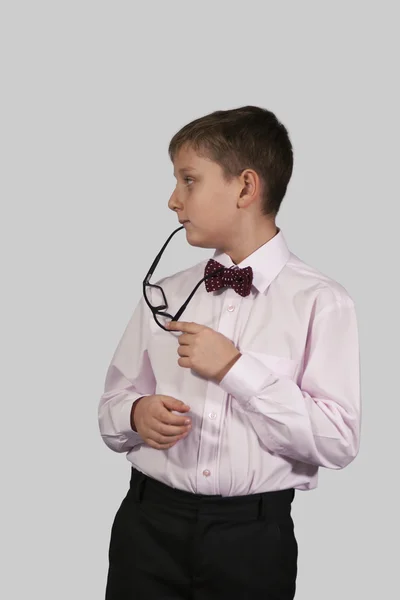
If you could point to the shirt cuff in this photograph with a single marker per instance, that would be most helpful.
(246, 378)
(125, 419)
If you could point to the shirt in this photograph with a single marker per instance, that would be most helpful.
(289, 405)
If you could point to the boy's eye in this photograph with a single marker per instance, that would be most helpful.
(187, 179)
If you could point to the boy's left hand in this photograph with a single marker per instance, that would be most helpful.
(204, 350)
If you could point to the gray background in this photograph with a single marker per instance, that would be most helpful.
(91, 93)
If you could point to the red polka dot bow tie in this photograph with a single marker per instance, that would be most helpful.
(238, 279)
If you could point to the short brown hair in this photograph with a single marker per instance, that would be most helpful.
(240, 138)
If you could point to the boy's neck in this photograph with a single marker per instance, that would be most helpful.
(251, 242)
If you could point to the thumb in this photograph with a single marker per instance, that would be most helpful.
(174, 404)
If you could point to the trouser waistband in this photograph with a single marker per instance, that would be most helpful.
(267, 505)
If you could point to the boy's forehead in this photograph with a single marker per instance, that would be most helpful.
(186, 160)
(185, 169)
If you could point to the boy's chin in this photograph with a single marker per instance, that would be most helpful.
(198, 242)
(194, 238)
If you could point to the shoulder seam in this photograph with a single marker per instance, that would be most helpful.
(348, 302)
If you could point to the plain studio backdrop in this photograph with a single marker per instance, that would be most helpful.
(91, 93)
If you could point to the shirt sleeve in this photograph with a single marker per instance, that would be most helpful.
(315, 419)
(128, 378)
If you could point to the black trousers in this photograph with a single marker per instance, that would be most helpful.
(167, 544)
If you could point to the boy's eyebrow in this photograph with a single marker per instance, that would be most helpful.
(185, 170)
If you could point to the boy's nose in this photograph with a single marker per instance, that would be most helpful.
(173, 202)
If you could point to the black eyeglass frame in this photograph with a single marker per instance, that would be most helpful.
(160, 310)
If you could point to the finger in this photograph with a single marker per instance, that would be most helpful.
(186, 338)
(150, 442)
(163, 440)
(160, 446)
(185, 327)
(171, 430)
(183, 351)
(174, 404)
(171, 419)
(185, 362)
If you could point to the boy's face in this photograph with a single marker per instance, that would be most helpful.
(205, 201)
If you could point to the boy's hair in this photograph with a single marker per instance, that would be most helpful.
(247, 137)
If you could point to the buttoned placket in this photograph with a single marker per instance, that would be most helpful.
(214, 406)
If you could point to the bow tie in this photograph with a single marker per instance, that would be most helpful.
(238, 279)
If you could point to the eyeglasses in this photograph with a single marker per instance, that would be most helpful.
(160, 310)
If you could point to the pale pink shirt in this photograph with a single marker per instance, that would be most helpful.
(289, 405)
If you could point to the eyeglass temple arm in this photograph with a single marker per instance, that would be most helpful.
(180, 311)
(157, 258)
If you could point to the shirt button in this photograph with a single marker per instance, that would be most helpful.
(231, 308)
(206, 473)
(212, 415)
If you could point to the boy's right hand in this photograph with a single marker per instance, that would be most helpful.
(155, 422)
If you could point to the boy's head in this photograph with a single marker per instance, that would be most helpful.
(232, 169)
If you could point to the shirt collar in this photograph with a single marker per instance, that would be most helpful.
(266, 262)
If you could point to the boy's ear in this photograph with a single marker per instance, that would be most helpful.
(250, 182)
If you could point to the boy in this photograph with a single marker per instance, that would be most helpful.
(225, 412)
